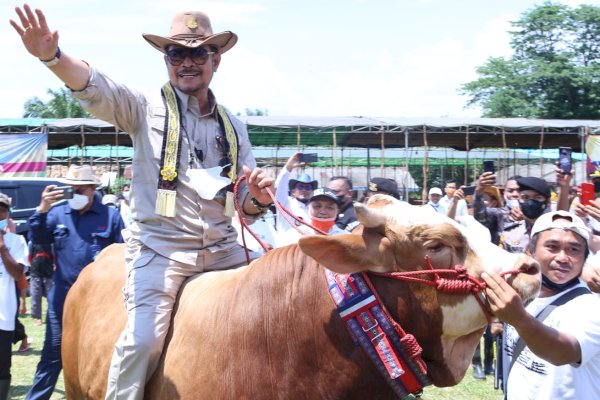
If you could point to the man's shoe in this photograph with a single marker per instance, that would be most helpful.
(489, 371)
(478, 372)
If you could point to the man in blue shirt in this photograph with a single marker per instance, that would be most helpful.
(78, 230)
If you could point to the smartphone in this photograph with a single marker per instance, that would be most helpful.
(468, 190)
(67, 191)
(309, 157)
(564, 159)
(597, 187)
(587, 193)
(488, 166)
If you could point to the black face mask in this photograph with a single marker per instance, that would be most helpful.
(341, 199)
(533, 208)
(559, 287)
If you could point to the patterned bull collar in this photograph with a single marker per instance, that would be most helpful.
(396, 354)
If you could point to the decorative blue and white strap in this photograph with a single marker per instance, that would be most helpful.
(371, 328)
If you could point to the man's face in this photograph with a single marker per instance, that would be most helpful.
(342, 191)
(434, 198)
(4, 212)
(87, 190)
(561, 254)
(302, 192)
(323, 208)
(528, 194)
(450, 188)
(511, 190)
(195, 70)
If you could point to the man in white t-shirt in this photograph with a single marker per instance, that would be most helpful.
(451, 197)
(561, 356)
(13, 258)
(435, 195)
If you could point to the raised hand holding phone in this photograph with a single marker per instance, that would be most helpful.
(587, 193)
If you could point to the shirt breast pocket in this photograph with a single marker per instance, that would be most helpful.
(61, 235)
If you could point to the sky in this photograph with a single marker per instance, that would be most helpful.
(394, 58)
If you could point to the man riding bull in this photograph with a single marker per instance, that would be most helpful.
(188, 151)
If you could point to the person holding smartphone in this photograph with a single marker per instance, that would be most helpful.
(293, 193)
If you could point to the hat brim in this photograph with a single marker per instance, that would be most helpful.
(293, 182)
(493, 192)
(222, 40)
(78, 182)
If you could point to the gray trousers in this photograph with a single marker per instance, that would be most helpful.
(150, 291)
(38, 287)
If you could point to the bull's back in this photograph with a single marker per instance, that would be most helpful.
(94, 316)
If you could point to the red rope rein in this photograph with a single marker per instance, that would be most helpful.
(282, 211)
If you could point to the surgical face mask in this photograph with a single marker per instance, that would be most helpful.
(533, 208)
(512, 203)
(3, 224)
(323, 224)
(126, 195)
(78, 201)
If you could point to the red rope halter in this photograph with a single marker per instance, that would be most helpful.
(460, 282)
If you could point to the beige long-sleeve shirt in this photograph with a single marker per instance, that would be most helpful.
(199, 225)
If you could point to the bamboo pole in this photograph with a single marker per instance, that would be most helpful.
(335, 164)
(382, 158)
(468, 148)
(424, 192)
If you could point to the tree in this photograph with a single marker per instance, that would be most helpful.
(554, 71)
(61, 105)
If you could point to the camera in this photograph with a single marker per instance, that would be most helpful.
(67, 191)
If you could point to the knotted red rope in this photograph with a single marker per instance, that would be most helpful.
(459, 283)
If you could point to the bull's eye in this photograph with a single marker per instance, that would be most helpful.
(435, 248)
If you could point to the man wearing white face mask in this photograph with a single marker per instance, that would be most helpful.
(78, 230)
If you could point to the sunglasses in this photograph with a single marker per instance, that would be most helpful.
(177, 55)
(303, 186)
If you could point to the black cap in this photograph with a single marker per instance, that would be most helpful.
(324, 192)
(534, 183)
(384, 185)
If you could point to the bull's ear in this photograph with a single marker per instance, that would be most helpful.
(347, 254)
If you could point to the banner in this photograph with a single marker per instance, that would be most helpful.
(23, 155)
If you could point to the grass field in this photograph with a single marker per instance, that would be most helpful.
(24, 365)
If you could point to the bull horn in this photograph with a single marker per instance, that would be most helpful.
(369, 217)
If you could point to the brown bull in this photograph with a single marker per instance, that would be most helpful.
(271, 331)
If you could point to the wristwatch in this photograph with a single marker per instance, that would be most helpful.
(53, 61)
(260, 207)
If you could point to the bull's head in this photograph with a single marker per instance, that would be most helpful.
(396, 236)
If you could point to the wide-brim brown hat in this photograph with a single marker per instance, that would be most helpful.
(80, 175)
(192, 29)
(494, 192)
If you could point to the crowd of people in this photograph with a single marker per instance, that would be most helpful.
(176, 221)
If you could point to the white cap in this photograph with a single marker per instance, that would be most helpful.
(561, 220)
(435, 190)
(110, 199)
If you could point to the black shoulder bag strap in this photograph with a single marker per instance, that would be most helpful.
(542, 316)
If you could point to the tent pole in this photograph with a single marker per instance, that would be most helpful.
(333, 151)
(466, 179)
(424, 194)
(541, 153)
(506, 155)
(382, 158)
(81, 132)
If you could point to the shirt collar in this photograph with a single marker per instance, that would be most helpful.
(190, 103)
